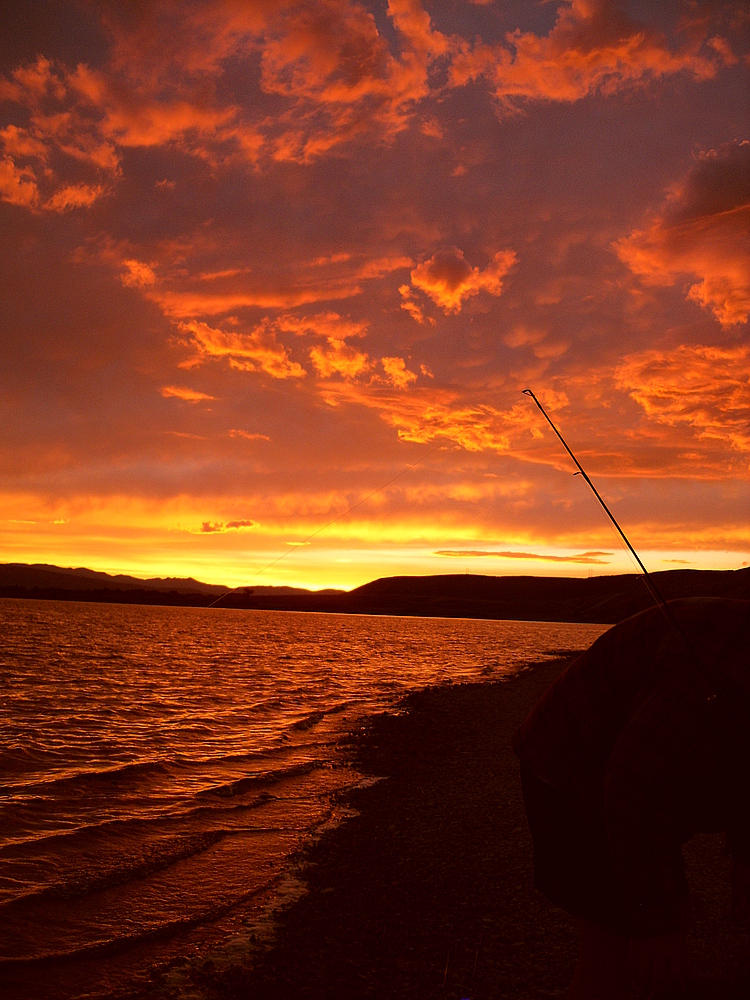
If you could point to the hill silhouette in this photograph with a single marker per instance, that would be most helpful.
(599, 599)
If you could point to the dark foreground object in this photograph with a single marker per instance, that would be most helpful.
(427, 893)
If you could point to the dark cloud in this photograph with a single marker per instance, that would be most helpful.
(70, 31)
(209, 527)
(702, 232)
(719, 182)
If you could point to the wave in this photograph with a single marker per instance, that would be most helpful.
(157, 856)
(241, 785)
(18, 759)
(243, 757)
(75, 779)
(119, 774)
(113, 774)
(313, 718)
(163, 931)
(89, 834)
(309, 721)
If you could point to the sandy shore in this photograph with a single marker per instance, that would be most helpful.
(427, 892)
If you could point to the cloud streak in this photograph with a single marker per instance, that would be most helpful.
(585, 558)
(184, 393)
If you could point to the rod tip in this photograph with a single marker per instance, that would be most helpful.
(527, 392)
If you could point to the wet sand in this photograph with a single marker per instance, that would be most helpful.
(427, 891)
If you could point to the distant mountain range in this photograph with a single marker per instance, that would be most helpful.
(603, 599)
(42, 577)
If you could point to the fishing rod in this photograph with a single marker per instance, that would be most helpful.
(717, 684)
(715, 681)
(647, 578)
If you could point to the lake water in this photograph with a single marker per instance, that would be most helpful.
(160, 766)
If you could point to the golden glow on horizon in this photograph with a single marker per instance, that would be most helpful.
(155, 541)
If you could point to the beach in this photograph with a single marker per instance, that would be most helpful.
(165, 767)
(427, 890)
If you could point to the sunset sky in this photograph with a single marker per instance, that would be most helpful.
(261, 258)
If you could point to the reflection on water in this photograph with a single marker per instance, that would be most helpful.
(160, 764)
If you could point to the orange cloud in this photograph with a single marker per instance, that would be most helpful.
(410, 305)
(339, 358)
(430, 414)
(181, 392)
(74, 196)
(59, 160)
(381, 266)
(236, 432)
(448, 279)
(329, 65)
(215, 292)
(146, 118)
(593, 48)
(260, 349)
(329, 325)
(137, 274)
(255, 351)
(336, 356)
(328, 75)
(583, 557)
(474, 428)
(536, 340)
(699, 388)
(331, 58)
(18, 184)
(397, 372)
(702, 231)
(181, 305)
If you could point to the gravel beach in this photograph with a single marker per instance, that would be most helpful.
(427, 891)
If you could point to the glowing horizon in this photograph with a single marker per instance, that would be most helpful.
(265, 260)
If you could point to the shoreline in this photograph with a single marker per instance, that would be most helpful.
(426, 891)
(596, 600)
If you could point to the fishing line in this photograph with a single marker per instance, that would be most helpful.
(333, 520)
(647, 578)
(716, 682)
